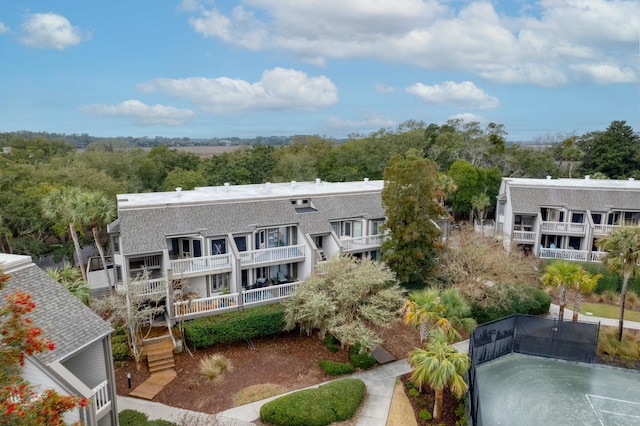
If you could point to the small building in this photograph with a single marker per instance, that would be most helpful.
(563, 218)
(231, 247)
(81, 363)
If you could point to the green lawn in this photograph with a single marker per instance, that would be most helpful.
(608, 311)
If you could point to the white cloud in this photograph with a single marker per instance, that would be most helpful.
(468, 117)
(278, 89)
(3, 28)
(372, 121)
(143, 114)
(50, 31)
(450, 93)
(540, 45)
(606, 73)
(383, 88)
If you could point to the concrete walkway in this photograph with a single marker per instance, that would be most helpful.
(380, 383)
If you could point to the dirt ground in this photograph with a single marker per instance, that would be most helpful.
(289, 360)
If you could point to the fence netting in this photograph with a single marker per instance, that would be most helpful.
(529, 335)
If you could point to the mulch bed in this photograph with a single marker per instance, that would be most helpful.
(425, 401)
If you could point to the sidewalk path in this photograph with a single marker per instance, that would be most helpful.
(380, 383)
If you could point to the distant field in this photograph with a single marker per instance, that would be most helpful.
(200, 151)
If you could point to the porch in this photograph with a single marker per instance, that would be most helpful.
(572, 255)
(524, 237)
(214, 305)
(144, 287)
(564, 228)
(370, 242)
(101, 402)
(286, 254)
(191, 266)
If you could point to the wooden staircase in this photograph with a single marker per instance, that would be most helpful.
(159, 352)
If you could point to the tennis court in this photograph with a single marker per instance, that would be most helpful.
(526, 390)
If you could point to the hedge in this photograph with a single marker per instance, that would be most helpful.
(610, 281)
(502, 300)
(333, 402)
(334, 368)
(234, 326)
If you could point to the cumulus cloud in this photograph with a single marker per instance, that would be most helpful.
(383, 88)
(372, 121)
(3, 28)
(143, 114)
(278, 89)
(50, 31)
(451, 93)
(548, 45)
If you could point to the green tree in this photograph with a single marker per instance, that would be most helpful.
(60, 205)
(71, 279)
(561, 274)
(622, 247)
(447, 310)
(584, 284)
(614, 152)
(185, 179)
(410, 199)
(350, 299)
(472, 181)
(439, 366)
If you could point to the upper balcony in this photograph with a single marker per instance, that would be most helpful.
(572, 255)
(144, 287)
(524, 236)
(273, 256)
(358, 244)
(601, 230)
(564, 228)
(194, 266)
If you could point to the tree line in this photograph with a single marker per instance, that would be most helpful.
(469, 160)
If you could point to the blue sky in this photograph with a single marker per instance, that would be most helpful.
(198, 68)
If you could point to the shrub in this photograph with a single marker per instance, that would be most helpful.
(631, 300)
(214, 367)
(610, 281)
(331, 343)
(334, 368)
(333, 402)
(609, 344)
(231, 327)
(132, 418)
(425, 415)
(120, 351)
(361, 360)
(502, 300)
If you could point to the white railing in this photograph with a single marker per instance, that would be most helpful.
(204, 304)
(574, 255)
(596, 256)
(274, 292)
(141, 288)
(275, 254)
(192, 265)
(574, 228)
(604, 229)
(359, 243)
(100, 398)
(524, 236)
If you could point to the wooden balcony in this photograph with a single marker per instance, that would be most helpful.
(142, 288)
(603, 229)
(524, 236)
(370, 242)
(275, 255)
(564, 228)
(101, 401)
(193, 266)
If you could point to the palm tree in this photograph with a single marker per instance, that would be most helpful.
(445, 186)
(439, 365)
(561, 274)
(584, 284)
(71, 279)
(430, 308)
(94, 209)
(622, 247)
(59, 205)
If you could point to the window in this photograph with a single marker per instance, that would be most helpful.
(376, 227)
(597, 218)
(118, 273)
(241, 243)
(218, 246)
(218, 282)
(501, 209)
(116, 244)
(577, 217)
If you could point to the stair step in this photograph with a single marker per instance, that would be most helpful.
(163, 366)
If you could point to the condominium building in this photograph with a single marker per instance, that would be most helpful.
(563, 218)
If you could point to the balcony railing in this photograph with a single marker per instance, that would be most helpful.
(200, 265)
(362, 243)
(142, 288)
(218, 304)
(273, 255)
(604, 229)
(564, 227)
(101, 400)
(524, 236)
(566, 254)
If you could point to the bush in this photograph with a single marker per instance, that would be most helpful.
(334, 368)
(132, 418)
(120, 351)
(332, 343)
(361, 360)
(610, 281)
(234, 326)
(425, 415)
(503, 300)
(214, 367)
(333, 402)
(609, 344)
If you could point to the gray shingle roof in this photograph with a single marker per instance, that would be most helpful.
(64, 319)
(145, 230)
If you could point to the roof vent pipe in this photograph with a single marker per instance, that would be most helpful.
(548, 177)
(631, 179)
(226, 186)
(366, 180)
(318, 180)
(178, 189)
(586, 177)
(293, 183)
